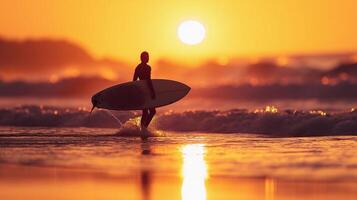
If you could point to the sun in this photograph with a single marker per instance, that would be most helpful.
(191, 32)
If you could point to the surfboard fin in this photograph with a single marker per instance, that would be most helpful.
(92, 109)
(94, 103)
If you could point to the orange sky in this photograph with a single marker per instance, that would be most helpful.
(234, 28)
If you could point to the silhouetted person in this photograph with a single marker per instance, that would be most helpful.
(143, 72)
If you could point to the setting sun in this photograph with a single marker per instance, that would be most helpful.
(191, 32)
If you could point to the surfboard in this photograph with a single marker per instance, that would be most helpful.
(136, 95)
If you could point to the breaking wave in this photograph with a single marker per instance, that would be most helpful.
(263, 121)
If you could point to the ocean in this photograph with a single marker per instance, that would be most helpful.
(99, 163)
(255, 152)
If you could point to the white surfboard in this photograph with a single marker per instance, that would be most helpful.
(136, 95)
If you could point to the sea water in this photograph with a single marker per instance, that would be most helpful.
(98, 163)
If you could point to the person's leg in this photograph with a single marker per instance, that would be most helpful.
(152, 112)
(144, 118)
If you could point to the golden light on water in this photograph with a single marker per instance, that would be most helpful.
(318, 112)
(269, 189)
(268, 109)
(194, 172)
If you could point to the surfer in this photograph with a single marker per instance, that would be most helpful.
(143, 72)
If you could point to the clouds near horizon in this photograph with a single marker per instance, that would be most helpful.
(38, 59)
(53, 60)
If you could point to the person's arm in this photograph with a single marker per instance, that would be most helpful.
(153, 95)
(135, 75)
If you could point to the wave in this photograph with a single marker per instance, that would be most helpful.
(268, 120)
(50, 116)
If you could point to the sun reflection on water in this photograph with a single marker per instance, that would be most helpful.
(194, 172)
(269, 189)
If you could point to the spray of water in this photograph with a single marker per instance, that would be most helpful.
(118, 120)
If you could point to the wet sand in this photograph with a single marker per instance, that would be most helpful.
(19, 182)
(81, 163)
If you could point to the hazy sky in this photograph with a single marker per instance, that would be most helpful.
(234, 28)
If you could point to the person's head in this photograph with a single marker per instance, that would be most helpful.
(144, 57)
